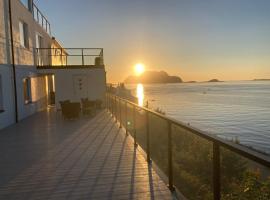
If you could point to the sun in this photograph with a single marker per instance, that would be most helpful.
(139, 69)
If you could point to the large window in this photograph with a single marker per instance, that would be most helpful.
(27, 4)
(39, 44)
(24, 34)
(27, 90)
(1, 96)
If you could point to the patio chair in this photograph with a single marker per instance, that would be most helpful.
(70, 110)
(98, 103)
(88, 107)
(64, 105)
(73, 110)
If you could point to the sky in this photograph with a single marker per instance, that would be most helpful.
(197, 40)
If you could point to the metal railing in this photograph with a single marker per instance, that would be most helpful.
(200, 165)
(40, 19)
(61, 57)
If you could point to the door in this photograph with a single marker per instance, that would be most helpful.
(40, 53)
(80, 86)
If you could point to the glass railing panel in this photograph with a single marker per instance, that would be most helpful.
(242, 178)
(123, 113)
(89, 60)
(158, 132)
(117, 108)
(141, 127)
(192, 164)
(71, 60)
(130, 119)
(108, 102)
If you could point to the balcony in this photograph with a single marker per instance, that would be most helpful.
(41, 19)
(47, 157)
(54, 58)
(198, 165)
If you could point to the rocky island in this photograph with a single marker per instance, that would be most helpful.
(153, 77)
(261, 79)
(214, 81)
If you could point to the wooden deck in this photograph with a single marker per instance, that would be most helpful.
(46, 157)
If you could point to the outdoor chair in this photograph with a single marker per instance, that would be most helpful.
(64, 105)
(88, 107)
(98, 103)
(73, 110)
(70, 110)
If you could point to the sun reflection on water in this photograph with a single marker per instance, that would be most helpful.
(140, 94)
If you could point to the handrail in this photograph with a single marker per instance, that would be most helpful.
(244, 151)
(74, 48)
(41, 19)
(69, 56)
(217, 142)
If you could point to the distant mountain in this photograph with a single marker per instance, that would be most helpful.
(153, 77)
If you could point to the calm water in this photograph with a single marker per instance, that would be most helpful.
(230, 109)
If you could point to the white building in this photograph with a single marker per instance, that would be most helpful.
(43, 70)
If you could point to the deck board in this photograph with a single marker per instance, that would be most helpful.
(46, 157)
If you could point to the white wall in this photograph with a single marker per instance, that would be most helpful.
(38, 90)
(23, 56)
(8, 116)
(66, 84)
(24, 60)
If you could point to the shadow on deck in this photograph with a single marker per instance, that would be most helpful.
(46, 157)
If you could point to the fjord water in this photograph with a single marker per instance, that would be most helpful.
(231, 110)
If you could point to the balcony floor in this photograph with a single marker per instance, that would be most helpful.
(46, 157)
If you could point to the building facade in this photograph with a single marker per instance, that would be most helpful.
(29, 64)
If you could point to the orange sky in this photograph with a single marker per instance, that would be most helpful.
(196, 40)
(246, 69)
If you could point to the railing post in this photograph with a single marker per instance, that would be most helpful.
(37, 16)
(50, 29)
(46, 26)
(107, 102)
(126, 118)
(216, 171)
(61, 56)
(111, 100)
(148, 138)
(120, 114)
(170, 161)
(116, 108)
(82, 58)
(134, 126)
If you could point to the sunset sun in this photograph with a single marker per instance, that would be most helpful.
(139, 69)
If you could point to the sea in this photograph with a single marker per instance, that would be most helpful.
(237, 110)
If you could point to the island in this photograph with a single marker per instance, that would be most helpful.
(214, 81)
(153, 77)
(261, 79)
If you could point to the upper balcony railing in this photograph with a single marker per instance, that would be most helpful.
(198, 164)
(69, 57)
(40, 19)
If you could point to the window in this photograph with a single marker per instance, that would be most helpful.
(39, 44)
(1, 95)
(24, 39)
(27, 90)
(27, 4)
(39, 41)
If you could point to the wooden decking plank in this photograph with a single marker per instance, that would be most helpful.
(95, 160)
